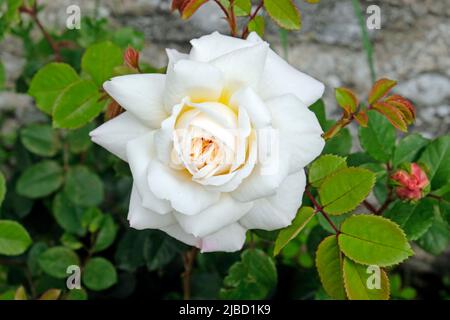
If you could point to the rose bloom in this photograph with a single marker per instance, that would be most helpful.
(218, 145)
(410, 186)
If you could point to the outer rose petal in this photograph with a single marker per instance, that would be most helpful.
(214, 45)
(258, 112)
(176, 232)
(300, 131)
(140, 152)
(115, 134)
(142, 218)
(140, 94)
(277, 211)
(280, 78)
(219, 215)
(228, 239)
(185, 196)
(197, 80)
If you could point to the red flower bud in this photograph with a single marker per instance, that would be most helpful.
(131, 58)
(410, 185)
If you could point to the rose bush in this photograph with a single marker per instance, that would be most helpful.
(196, 137)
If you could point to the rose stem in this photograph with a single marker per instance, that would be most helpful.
(32, 12)
(321, 210)
(188, 261)
(253, 16)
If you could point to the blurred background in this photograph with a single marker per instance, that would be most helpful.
(412, 46)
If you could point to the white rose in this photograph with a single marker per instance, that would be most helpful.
(195, 140)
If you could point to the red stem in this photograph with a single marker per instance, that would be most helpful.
(253, 16)
(369, 206)
(321, 210)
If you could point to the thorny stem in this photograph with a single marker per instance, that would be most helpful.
(253, 16)
(33, 13)
(369, 206)
(322, 211)
(188, 262)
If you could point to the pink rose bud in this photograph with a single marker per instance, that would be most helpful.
(131, 58)
(410, 185)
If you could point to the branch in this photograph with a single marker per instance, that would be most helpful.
(33, 13)
(188, 261)
(253, 16)
(369, 206)
(321, 210)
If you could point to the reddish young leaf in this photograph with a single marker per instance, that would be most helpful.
(392, 114)
(362, 118)
(131, 57)
(187, 7)
(404, 106)
(346, 99)
(380, 89)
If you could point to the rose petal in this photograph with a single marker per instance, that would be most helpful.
(140, 152)
(140, 94)
(228, 239)
(197, 80)
(280, 78)
(258, 112)
(185, 196)
(299, 129)
(219, 215)
(114, 134)
(277, 211)
(176, 232)
(142, 218)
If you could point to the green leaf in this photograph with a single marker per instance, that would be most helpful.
(100, 59)
(414, 218)
(99, 274)
(343, 191)
(369, 239)
(340, 144)
(49, 83)
(77, 105)
(254, 277)
(380, 89)
(14, 239)
(79, 140)
(51, 294)
(329, 267)
(318, 108)
(40, 180)
(437, 238)
(33, 256)
(40, 139)
(242, 8)
(356, 280)
(159, 250)
(346, 99)
(284, 13)
(76, 294)
(106, 234)
(323, 167)
(83, 187)
(304, 215)
(436, 158)
(67, 215)
(70, 241)
(257, 25)
(130, 251)
(2, 188)
(408, 148)
(378, 138)
(55, 261)
(127, 36)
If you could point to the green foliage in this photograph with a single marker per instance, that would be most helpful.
(324, 167)
(284, 13)
(14, 239)
(368, 239)
(99, 274)
(40, 180)
(68, 215)
(254, 277)
(378, 139)
(329, 266)
(83, 187)
(48, 84)
(436, 159)
(2, 188)
(40, 139)
(54, 261)
(356, 280)
(304, 215)
(100, 60)
(408, 148)
(257, 25)
(344, 190)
